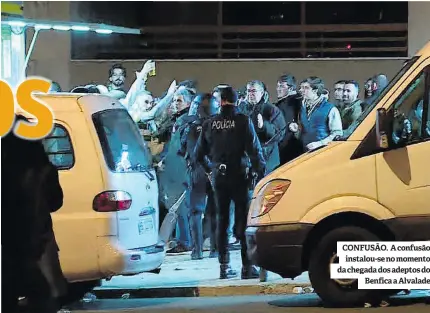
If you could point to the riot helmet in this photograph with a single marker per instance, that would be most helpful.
(204, 105)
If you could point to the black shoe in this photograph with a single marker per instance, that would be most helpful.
(235, 246)
(196, 255)
(250, 272)
(226, 272)
(179, 249)
(213, 255)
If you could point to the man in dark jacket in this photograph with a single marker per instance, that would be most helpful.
(290, 105)
(30, 263)
(172, 179)
(351, 109)
(269, 123)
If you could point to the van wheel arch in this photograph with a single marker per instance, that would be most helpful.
(340, 220)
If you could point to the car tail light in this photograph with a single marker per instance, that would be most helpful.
(269, 195)
(112, 201)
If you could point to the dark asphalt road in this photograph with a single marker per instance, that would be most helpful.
(306, 303)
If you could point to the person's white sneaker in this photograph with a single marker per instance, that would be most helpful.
(232, 240)
(207, 244)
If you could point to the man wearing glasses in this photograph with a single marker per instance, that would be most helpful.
(268, 120)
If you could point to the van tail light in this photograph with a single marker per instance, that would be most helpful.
(269, 195)
(112, 201)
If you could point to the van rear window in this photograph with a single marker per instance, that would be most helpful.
(123, 146)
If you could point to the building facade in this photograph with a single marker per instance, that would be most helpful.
(54, 56)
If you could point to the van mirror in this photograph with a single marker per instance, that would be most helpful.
(382, 128)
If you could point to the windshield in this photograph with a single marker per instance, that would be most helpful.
(123, 147)
(406, 66)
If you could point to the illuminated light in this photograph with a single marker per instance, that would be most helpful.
(16, 23)
(348, 47)
(60, 27)
(269, 196)
(104, 31)
(81, 28)
(41, 26)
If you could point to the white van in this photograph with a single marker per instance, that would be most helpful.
(108, 224)
(374, 185)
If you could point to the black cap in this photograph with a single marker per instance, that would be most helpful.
(228, 94)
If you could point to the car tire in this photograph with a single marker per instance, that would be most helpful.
(331, 292)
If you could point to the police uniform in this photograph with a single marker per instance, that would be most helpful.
(226, 139)
(198, 183)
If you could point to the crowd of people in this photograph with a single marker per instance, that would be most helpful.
(302, 119)
(214, 145)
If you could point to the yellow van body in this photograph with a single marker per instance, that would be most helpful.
(96, 243)
(351, 190)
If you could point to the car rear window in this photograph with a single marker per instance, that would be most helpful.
(123, 146)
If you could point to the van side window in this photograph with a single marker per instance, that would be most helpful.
(58, 147)
(408, 113)
(123, 146)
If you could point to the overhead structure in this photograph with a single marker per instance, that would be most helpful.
(16, 26)
(66, 26)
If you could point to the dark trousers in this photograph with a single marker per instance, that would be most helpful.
(293, 149)
(209, 221)
(40, 281)
(231, 188)
(197, 202)
(183, 235)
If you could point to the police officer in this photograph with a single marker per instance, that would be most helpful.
(226, 140)
(198, 183)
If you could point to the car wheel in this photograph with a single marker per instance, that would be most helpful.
(338, 292)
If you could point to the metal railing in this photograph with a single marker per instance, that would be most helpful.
(231, 42)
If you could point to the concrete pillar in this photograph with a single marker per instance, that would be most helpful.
(51, 54)
(418, 25)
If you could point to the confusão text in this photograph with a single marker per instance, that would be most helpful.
(384, 265)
